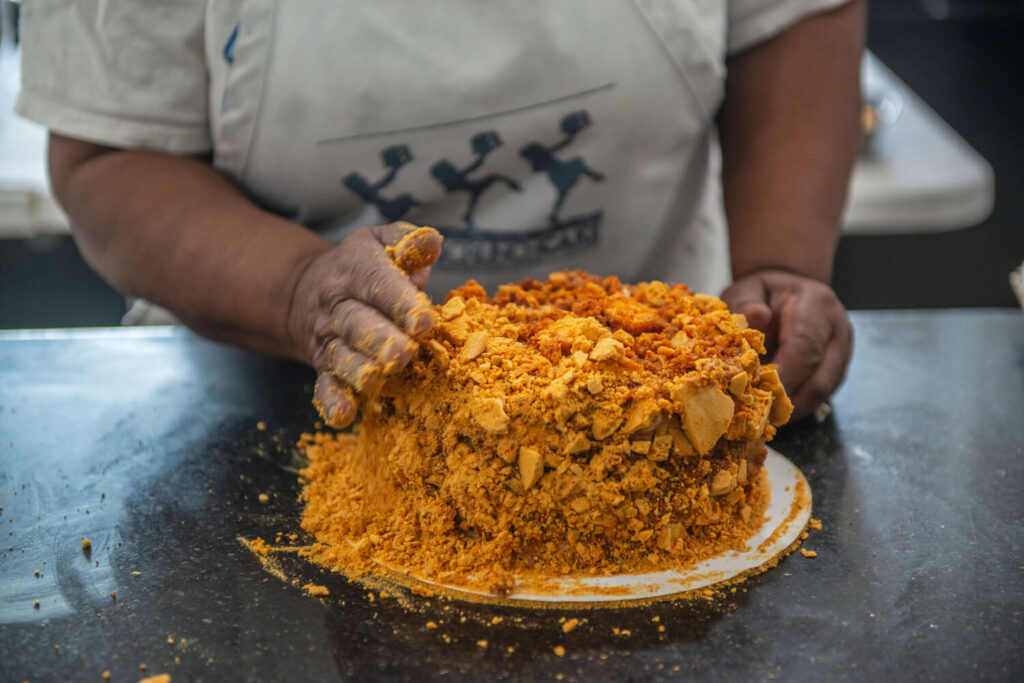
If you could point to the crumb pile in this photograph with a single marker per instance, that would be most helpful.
(577, 426)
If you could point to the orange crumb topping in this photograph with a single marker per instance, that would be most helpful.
(574, 426)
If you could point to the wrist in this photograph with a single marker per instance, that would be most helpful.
(812, 271)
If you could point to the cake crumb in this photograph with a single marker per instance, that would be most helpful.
(86, 543)
(142, 667)
(481, 643)
(661, 628)
(559, 651)
(35, 603)
(815, 524)
(655, 619)
(315, 589)
(431, 624)
(264, 498)
(113, 595)
(570, 624)
(261, 425)
(497, 620)
(159, 678)
(37, 572)
(808, 553)
(106, 675)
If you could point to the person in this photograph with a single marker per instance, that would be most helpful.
(224, 159)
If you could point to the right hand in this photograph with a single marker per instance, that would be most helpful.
(355, 312)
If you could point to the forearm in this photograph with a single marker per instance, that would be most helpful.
(790, 132)
(177, 232)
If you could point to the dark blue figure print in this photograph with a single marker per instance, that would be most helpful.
(392, 209)
(458, 180)
(563, 174)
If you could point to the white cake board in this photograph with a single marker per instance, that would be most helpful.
(787, 515)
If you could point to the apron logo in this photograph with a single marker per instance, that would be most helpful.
(457, 180)
(465, 247)
(393, 158)
(563, 174)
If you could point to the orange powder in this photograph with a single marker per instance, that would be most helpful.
(573, 427)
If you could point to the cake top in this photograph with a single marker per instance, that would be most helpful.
(589, 357)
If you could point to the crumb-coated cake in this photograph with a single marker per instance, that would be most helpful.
(577, 426)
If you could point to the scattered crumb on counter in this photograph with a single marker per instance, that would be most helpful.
(559, 651)
(315, 589)
(106, 675)
(86, 543)
(481, 643)
(264, 498)
(497, 620)
(570, 624)
(259, 546)
(808, 553)
(431, 624)
(661, 628)
(261, 425)
(159, 678)
(815, 524)
(35, 603)
(655, 619)
(113, 594)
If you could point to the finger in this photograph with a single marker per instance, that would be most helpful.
(377, 282)
(411, 247)
(335, 401)
(758, 315)
(420, 278)
(417, 250)
(348, 365)
(805, 332)
(744, 293)
(749, 296)
(367, 331)
(823, 382)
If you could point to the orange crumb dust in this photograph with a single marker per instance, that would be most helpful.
(569, 427)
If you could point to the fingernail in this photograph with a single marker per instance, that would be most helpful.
(335, 404)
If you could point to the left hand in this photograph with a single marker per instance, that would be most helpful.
(807, 331)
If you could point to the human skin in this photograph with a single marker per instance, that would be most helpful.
(790, 132)
(176, 232)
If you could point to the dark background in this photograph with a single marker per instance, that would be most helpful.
(963, 57)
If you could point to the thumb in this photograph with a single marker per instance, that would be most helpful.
(411, 248)
(749, 296)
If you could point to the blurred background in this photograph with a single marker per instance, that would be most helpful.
(936, 211)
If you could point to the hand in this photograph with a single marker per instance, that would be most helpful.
(807, 331)
(357, 308)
